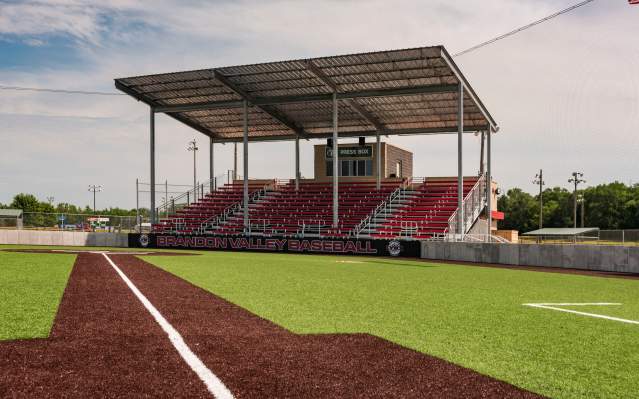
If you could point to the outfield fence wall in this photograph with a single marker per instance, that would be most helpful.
(622, 259)
(66, 238)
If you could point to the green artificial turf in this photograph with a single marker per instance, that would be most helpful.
(31, 287)
(472, 316)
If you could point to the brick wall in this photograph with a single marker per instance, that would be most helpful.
(389, 156)
(395, 154)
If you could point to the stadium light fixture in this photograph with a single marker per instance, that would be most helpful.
(576, 179)
(539, 179)
(94, 189)
(193, 147)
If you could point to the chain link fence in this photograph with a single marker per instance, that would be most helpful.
(601, 237)
(80, 222)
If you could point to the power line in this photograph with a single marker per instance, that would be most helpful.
(468, 50)
(46, 90)
(523, 28)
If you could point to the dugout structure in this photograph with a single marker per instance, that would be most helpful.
(11, 218)
(418, 91)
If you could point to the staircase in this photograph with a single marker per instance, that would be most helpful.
(204, 209)
(423, 209)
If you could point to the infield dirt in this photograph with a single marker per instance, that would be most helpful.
(104, 343)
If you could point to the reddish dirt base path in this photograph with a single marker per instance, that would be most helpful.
(105, 343)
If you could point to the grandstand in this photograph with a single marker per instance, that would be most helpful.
(401, 209)
(360, 190)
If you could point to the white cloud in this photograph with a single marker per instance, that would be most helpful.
(565, 93)
(55, 17)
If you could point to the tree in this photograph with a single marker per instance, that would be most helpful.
(612, 206)
(558, 207)
(26, 202)
(520, 210)
(607, 206)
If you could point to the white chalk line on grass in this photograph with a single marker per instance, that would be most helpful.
(212, 382)
(553, 306)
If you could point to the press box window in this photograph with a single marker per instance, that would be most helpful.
(351, 167)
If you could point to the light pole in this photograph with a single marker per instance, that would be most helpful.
(94, 189)
(581, 200)
(539, 179)
(193, 147)
(576, 179)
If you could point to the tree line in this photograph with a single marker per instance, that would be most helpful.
(29, 203)
(46, 214)
(609, 206)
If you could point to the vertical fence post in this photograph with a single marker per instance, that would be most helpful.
(138, 223)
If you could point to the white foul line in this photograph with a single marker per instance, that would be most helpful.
(213, 384)
(552, 306)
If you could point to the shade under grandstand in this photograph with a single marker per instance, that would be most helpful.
(397, 92)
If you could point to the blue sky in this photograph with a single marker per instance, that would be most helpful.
(566, 93)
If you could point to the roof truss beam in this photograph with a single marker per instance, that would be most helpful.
(370, 118)
(278, 116)
(153, 105)
(280, 100)
(468, 89)
(368, 133)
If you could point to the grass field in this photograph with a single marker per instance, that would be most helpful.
(471, 316)
(31, 286)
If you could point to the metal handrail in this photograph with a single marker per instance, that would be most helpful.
(478, 196)
(489, 238)
(193, 195)
(230, 210)
(384, 205)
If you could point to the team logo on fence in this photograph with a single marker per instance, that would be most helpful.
(144, 240)
(394, 248)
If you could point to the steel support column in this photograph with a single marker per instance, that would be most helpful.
(482, 166)
(297, 163)
(460, 173)
(211, 166)
(245, 160)
(152, 169)
(335, 164)
(235, 161)
(489, 182)
(378, 161)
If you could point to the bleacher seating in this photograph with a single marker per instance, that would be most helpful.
(280, 210)
(189, 218)
(286, 211)
(427, 212)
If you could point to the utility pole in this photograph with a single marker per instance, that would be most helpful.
(94, 189)
(581, 199)
(576, 179)
(193, 147)
(539, 179)
(138, 223)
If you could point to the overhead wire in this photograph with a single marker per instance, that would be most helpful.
(458, 54)
(522, 28)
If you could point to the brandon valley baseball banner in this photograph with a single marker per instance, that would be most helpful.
(278, 244)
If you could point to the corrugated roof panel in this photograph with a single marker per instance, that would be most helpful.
(352, 73)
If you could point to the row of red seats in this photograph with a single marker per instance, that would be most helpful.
(189, 218)
(288, 211)
(428, 212)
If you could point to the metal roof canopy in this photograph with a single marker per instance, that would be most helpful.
(397, 92)
(561, 231)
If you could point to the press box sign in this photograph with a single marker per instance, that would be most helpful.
(351, 152)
